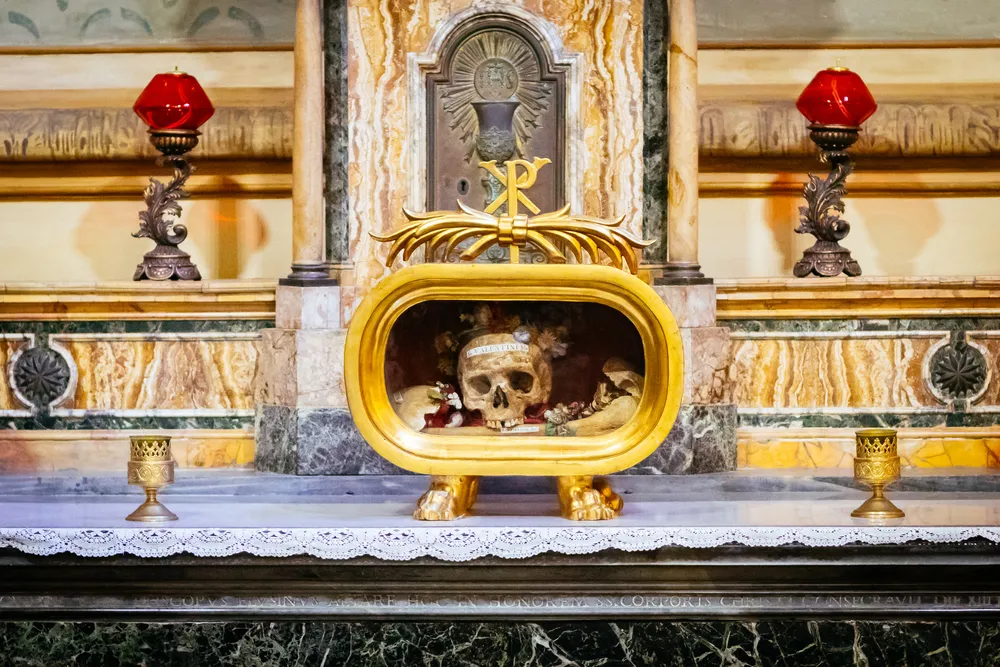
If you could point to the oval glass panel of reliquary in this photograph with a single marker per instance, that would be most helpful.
(469, 370)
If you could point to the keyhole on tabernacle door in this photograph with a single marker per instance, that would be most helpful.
(463, 186)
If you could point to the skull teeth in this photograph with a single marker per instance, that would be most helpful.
(498, 424)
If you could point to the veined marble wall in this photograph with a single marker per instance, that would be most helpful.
(85, 367)
(382, 35)
(46, 451)
(834, 448)
(9, 344)
(155, 372)
(804, 386)
(832, 369)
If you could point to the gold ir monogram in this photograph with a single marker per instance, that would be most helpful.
(515, 184)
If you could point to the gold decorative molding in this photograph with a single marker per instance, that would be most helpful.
(840, 298)
(579, 233)
(207, 300)
(272, 179)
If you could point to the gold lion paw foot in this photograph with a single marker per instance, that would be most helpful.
(450, 497)
(583, 499)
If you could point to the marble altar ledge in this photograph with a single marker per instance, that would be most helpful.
(509, 527)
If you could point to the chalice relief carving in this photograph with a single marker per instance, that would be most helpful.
(495, 100)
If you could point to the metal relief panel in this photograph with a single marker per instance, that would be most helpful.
(495, 95)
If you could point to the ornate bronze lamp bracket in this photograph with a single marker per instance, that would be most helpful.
(159, 221)
(824, 204)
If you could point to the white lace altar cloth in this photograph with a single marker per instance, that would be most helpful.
(508, 529)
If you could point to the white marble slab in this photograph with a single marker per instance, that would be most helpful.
(508, 527)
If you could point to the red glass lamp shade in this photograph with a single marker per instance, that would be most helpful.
(174, 101)
(836, 96)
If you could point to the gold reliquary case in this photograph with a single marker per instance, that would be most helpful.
(459, 370)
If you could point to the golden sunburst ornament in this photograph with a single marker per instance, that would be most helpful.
(492, 67)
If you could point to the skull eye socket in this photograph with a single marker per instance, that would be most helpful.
(480, 384)
(521, 381)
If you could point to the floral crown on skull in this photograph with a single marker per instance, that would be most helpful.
(549, 332)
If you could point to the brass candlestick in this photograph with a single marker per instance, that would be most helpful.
(876, 465)
(152, 467)
(159, 221)
(174, 106)
(825, 199)
(836, 102)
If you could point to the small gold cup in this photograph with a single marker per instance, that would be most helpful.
(876, 465)
(151, 466)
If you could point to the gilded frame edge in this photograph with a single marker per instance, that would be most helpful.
(364, 378)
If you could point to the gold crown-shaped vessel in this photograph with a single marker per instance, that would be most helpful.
(145, 448)
(876, 464)
(151, 466)
(873, 443)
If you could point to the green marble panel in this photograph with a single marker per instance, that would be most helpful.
(98, 422)
(547, 644)
(134, 326)
(869, 420)
(848, 325)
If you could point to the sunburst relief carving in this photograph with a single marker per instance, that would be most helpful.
(492, 66)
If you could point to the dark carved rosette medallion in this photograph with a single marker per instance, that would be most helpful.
(958, 370)
(41, 375)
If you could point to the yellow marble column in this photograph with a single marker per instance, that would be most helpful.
(682, 175)
(307, 148)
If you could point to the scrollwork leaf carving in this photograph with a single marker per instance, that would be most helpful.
(158, 221)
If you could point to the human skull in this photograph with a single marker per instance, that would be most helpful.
(502, 377)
